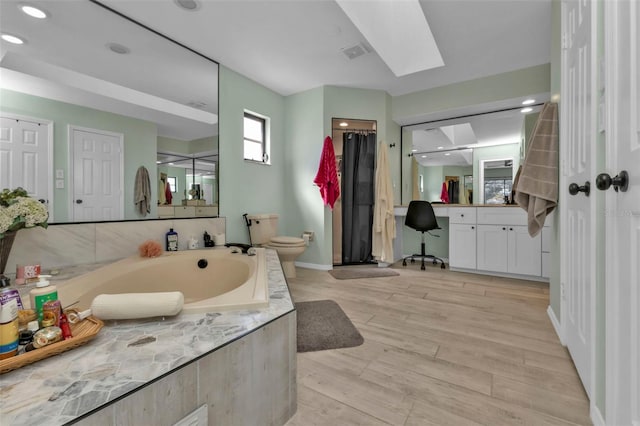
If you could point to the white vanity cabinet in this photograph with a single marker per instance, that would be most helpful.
(462, 237)
(504, 244)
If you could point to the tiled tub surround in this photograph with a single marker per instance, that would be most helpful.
(88, 243)
(242, 364)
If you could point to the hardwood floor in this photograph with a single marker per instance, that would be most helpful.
(440, 348)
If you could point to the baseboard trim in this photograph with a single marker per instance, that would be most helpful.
(596, 416)
(556, 325)
(315, 266)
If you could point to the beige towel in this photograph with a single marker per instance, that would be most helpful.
(384, 224)
(142, 191)
(536, 182)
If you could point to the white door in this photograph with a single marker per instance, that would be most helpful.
(492, 248)
(622, 220)
(462, 246)
(525, 255)
(97, 175)
(25, 156)
(578, 140)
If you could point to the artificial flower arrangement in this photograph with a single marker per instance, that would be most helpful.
(18, 210)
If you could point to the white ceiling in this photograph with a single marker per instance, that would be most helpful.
(288, 46)
(292, 46)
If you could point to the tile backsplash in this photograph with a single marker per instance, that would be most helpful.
(77, 244)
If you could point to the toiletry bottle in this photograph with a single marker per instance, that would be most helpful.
(7, 293)
(193, 243)
(9, 329)
(172, 240)
(43, 292)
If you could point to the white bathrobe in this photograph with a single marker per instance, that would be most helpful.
(384, 225)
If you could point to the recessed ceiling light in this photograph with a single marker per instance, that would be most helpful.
(344, 124)
(414, 150)
(12, 39)
(33, 11)
(440, 147)
(190, 5)
(158, 162)
(118, 48)
(525, 110)
(528, 102)
(171, 164)
(423, 156)
(447, 153)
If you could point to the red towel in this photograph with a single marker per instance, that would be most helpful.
(167, 193)
(444, 194)
(327, 176)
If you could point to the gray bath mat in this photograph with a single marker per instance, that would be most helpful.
(352, 272)
(322, 325)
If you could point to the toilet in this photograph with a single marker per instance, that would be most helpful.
(263, 228)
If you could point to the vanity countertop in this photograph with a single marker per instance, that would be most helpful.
(60, 389)
(463, 205)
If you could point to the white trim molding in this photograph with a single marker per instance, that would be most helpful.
(556, 325)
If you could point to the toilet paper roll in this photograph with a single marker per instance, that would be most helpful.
(219, 239)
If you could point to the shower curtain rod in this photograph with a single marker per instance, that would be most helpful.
(354, 130)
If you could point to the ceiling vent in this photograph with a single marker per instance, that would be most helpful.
(357, 50)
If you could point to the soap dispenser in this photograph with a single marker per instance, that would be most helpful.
(44, 292)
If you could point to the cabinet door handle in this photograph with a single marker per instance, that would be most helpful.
(462, 215)
(473, 227)
(504, 229)
(510, 229)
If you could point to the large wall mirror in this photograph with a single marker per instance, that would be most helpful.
(470, 159)
(91, 100)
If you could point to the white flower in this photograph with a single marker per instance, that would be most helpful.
(23, 212)
(5, 220)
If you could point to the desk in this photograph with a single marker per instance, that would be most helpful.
(488, 240)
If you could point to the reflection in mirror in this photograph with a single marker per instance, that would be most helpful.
(96, 103)
(453, 161)
(497, 177)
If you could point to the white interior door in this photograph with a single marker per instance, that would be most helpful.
(577, 123)
(622, 94)
(97, 175)
(25, 156)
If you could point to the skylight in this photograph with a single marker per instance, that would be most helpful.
(398, 31)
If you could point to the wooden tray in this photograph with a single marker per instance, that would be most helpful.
(82, 332)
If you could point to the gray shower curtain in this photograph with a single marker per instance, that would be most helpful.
(358, 172)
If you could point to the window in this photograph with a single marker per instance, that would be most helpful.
(495, 189)
(172, 183)
(256, 138)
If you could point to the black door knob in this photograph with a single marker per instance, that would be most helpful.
(78, 201)
(621, 181)
(574, 188)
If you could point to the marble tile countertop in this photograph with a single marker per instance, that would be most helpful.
(125, 356)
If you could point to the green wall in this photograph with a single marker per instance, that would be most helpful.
(248, 187)
(139, 143)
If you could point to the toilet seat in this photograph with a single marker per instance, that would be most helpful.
(283, 241)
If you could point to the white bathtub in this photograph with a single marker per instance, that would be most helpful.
(229, 280)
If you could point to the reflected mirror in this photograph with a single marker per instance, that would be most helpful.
(465, 160)
(88, 104)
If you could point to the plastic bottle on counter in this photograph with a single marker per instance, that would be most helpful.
(9, 329)
(44, 292)
(7, 293)
(172, 240)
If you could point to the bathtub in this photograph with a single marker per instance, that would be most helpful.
(228, 281)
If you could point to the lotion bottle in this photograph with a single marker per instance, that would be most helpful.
(43, 292)
(172, 240)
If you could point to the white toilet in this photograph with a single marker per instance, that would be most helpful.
(263, 228)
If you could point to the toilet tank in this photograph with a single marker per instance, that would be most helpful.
(263, 227)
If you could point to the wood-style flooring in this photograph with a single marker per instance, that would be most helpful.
(440, 348)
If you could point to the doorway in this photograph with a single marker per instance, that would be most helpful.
(96, 174)
(354, 143)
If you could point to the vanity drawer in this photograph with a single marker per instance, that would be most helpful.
(165, 212)
(462, 215)
(185, 211)
(207, 211)
(501, 216)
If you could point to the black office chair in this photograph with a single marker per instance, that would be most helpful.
(421, 217)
